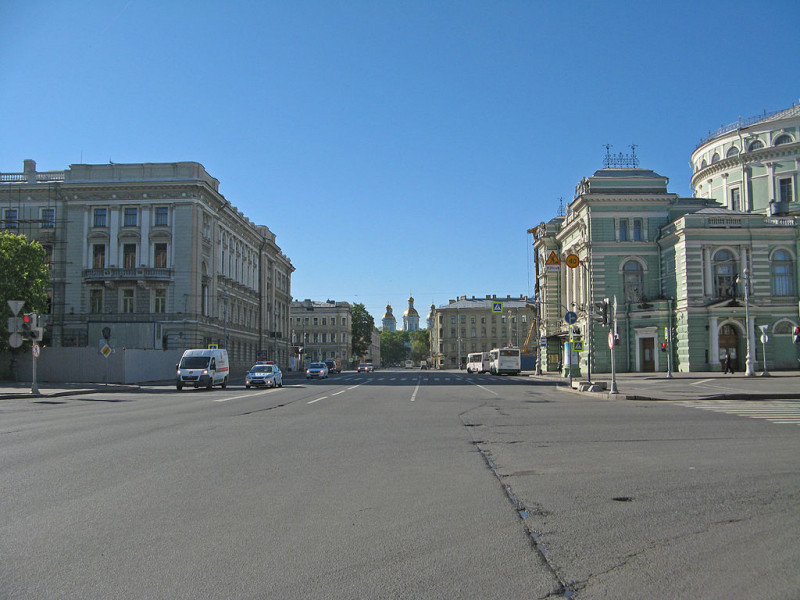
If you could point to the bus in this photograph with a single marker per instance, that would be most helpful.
(478, 362)
(505, 360)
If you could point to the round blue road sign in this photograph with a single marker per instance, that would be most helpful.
(570, 318)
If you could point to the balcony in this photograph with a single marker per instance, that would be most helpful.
(116, 274)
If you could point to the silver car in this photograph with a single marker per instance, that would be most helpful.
(268, 375)
(318, 370)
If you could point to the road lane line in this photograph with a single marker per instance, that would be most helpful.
(416, 389)
(250, 395)
(317, 400)
(337, 393)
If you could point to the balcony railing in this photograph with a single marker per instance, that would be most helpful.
(117, 274)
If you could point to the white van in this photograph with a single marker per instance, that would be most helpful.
(478, 362)
(203, 368)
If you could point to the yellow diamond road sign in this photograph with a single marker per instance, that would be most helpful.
(105, 350)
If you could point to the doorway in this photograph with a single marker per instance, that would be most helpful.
(729, 342)
(648, 355)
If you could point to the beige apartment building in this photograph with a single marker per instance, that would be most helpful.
(152, 256)
(320, 331)
(475, 324)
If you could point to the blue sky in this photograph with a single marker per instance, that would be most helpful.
(395, 148)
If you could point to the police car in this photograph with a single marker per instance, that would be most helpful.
(264, 373)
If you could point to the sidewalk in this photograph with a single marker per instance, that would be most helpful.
(689, 386)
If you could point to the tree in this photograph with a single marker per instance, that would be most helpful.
(362, 326)
(420, 345)
(393, 347)
(23, 276)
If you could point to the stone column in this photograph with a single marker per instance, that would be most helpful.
(713, 340)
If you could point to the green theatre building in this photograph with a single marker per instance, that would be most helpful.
(688, 279)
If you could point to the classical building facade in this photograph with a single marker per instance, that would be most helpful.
(411, 317)
(389, 322)
(752, 164)
(687, 278)
(320, 331)
(152, 256)
(477, 325)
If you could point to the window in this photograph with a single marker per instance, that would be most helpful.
(162, 216)
(452, 319)
(333, 338)
(783, 139)
(783, 327)
(756, 145)
(96, 301)
(623, 230)
(127, 300)
(98, 256)
(473, 332)
(48, 220)
(160, 301)
(637, 230)
(130, 217)
(735, 199)
(463, 319)
(160, 255)
(782, 274)
(732, 151)
(10, 218)
(715, 158)
(724, 274)
(632, 281)
(324, 320)
(100, 217)
(48, 255)
(316, 321)
(129, 256)
(785, 186)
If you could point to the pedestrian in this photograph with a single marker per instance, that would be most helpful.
(728, 363)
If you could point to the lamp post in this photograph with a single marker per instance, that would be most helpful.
(749, 372)
(275, 333)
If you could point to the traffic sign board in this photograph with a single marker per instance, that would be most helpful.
(552, 259)
(577, 346)
(610, 339)
(573, 261)
(15, 306)
(36, 350)
(106, 350)
(497, 307)
(15, 340)
(570, 317)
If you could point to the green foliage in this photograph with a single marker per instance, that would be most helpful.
(361, 331)
(393, 347)
(23, 276)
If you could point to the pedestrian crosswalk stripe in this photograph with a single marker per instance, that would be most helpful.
(777, 411)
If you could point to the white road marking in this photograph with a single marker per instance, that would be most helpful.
(317, 400)
(779, 412)
(416, 389)
(250, 395)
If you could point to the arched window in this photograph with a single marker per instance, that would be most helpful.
(732, 151)
(783, 328)
(703, 164)
(783, 139)
(724, 274)
(782, 274)
(756, 145)
(632, 281)
(715, 158)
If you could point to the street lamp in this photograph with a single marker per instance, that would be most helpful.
(749, 372)
(275, 333)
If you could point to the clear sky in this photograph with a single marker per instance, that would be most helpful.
(395, 148)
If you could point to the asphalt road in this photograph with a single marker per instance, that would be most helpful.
(395, 484)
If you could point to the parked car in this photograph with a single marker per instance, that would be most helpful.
(332, 367)
(318, 370)
(365, 368)
(266, 374)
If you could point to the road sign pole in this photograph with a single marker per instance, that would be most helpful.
(34, 385)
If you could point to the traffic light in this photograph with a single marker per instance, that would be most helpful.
(797, 335)
(601, 314)
(674, 332)
(663, 346)
(41, 322)
(28, 325)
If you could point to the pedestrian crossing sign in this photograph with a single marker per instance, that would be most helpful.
(577, 346)
(497, 307)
